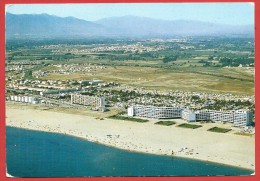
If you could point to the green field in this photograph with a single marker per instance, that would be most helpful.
(118, 117)
(219, 130)
(218, 80)
(191, 126)
(244, 134)
(165, 123)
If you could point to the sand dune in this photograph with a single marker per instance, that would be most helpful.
(228, 149)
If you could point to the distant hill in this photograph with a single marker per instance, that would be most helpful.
(139, 26)
(44, 25)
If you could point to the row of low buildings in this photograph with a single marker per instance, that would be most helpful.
(239, 118)
(25, 99)
(96, 103)
(68, 69)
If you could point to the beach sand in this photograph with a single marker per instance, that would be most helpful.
(230, 149)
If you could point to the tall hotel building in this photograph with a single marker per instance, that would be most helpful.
(96, 102)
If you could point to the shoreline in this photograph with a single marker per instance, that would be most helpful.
(134, 151)
(124, 135)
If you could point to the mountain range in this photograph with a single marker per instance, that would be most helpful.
(50, 26)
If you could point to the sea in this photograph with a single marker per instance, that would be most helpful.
(41, 154)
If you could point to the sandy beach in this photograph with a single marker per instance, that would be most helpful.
(230, 149)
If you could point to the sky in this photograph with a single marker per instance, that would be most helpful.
(222, 13)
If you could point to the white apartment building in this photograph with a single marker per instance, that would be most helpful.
(25, 99)
(96, 102)
(154, 112)
(202, 115)
(222, 116)
(188, 115)
(242, 118)
(239, 118)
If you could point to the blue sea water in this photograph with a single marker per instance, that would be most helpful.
(40, 154)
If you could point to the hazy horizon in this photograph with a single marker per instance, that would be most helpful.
(132, 16)
(218, 13)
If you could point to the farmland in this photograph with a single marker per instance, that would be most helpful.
(180, 79)
(192, 65)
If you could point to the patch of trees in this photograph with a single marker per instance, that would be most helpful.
(195, 97)
(225, 61)
(202, 61)
(66, 97)
(170, 59)
(149, 54)
(230, 104)
(28, 75)
(120, 57)
(210, 58)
